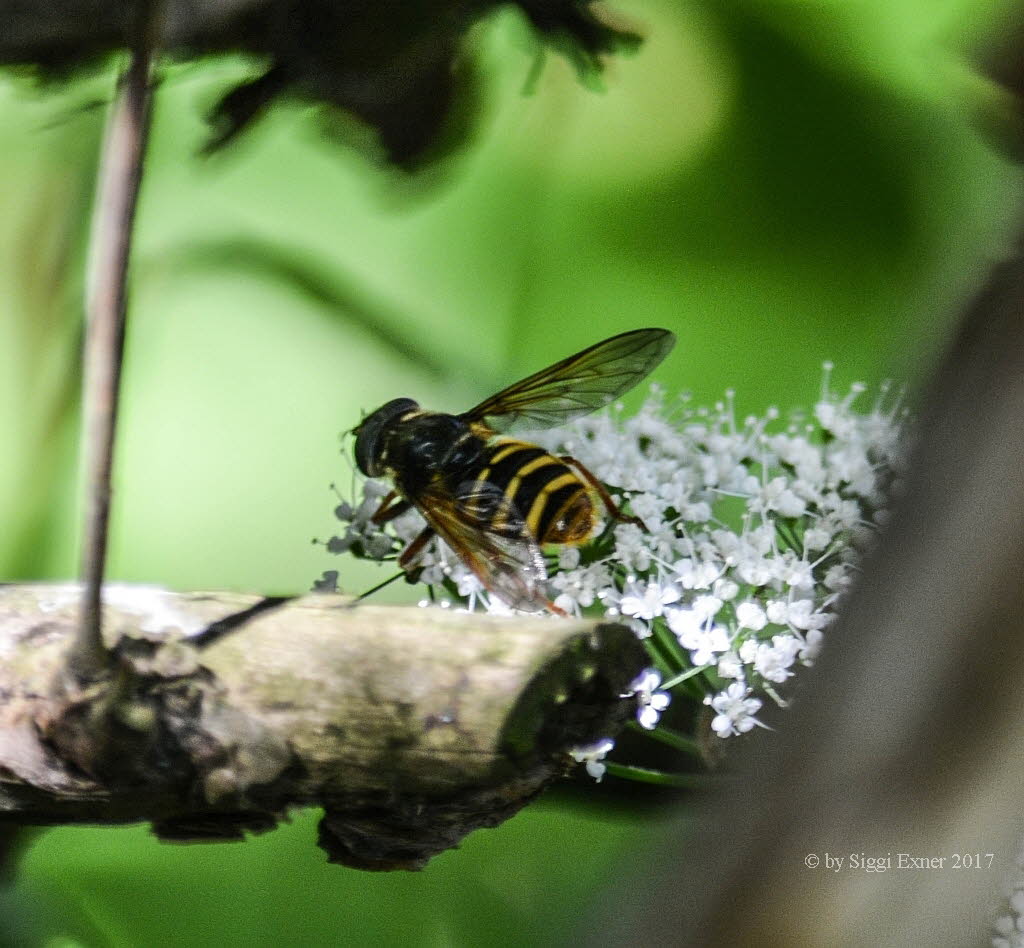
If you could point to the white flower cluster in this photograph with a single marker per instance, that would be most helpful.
(751, 534)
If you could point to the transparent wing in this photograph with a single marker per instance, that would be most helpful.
(487, 533)
(578, 385)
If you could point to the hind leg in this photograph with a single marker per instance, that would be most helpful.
(606, 499)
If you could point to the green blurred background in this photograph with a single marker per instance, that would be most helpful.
(779, 182)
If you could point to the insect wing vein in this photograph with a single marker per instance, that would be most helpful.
(488, 534)
(577, 385)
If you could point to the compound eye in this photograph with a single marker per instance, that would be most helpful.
(372, 435)
(365, 452)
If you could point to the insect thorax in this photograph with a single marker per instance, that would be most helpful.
(431, 445)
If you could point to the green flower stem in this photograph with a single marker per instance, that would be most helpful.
(684, 676)
(670, 645)
(646, 775)
(663, 657)
(673, 738)
(788, 534)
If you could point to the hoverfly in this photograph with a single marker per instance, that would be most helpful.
(496, 500)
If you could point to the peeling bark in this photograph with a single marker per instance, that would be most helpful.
(410, 727)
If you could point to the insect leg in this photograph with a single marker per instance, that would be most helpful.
(379, 586)
(606, 499)
(392, 506)
(556, 610)
(416, 547)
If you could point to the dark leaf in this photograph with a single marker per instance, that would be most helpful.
(398, 66)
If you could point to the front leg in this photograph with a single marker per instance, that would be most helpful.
(391, 507)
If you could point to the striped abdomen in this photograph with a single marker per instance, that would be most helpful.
(555, 503)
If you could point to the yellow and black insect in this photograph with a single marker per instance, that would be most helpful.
(495, 501)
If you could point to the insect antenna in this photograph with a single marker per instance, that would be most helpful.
(346, 455)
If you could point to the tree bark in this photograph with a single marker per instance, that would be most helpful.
(410, 727)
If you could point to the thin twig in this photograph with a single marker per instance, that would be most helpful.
(120, 174)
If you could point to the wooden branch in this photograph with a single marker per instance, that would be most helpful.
(120, 174)
(410, 727)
